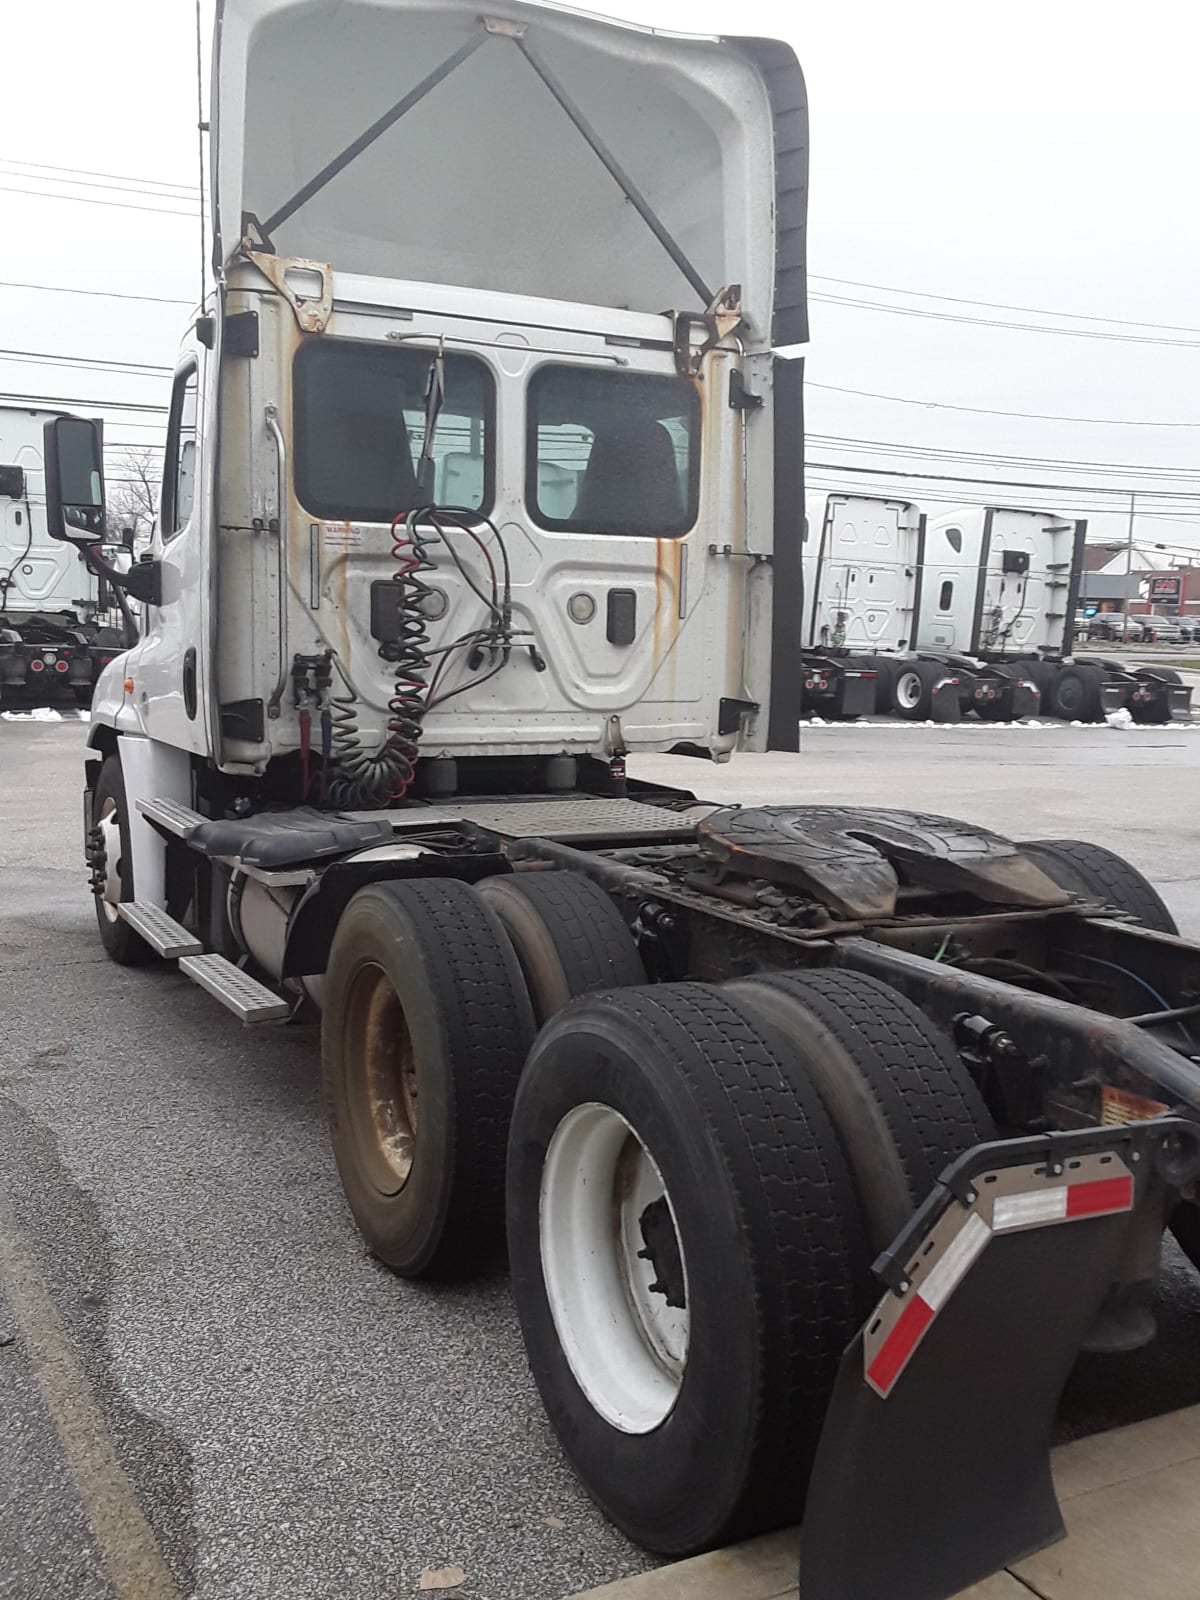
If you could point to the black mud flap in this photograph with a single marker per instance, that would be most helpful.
(933, 1470)
(855, 694)
(1179, 703)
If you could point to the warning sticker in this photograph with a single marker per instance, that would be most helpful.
(343, 535)
(1117, 1106)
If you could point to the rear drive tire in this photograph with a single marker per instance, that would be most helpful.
(1075, 694)
(114, 866)
(569, 936)
(899, 1096)
(688, 1392)
(885, 685)
(920, 693)
(425, 1028)
(1089, 869)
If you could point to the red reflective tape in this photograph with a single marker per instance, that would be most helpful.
(899, 1344)
(1106, 1194)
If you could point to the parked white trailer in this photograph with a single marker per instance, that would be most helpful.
(999, 582)
(966, 609)
(57, 621)
(699, 1067)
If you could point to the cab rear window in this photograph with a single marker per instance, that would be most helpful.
(360, 423)
(612, 452)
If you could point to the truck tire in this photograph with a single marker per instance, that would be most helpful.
(569, 936)
(1075, 695)
(1043, 673)
(689, 1392)
(111, 861)
(1089, 869)
(900, 1097)
(425, 1028)
(884, 668)
(925, 690)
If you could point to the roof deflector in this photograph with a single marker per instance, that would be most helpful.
(516, 32)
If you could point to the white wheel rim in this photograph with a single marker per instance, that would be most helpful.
(908, 690)
(109, 828)
(625, 1343)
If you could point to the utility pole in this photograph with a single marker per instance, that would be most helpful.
(1128, 566)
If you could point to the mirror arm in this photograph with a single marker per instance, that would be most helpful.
(143, 581)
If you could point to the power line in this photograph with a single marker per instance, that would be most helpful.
(1058, 506)
(91, 183)
(989, 411)
(999, 305)
(991, 322)
(105, 294)
(996, 483)
(188, 189)
(1004, 457)
(47, 358)
(40, 402)
(90, 200)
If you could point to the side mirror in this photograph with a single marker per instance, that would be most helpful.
(73, 455)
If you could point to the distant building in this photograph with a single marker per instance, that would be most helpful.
(1150, 581)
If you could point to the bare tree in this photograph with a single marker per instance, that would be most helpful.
(134, 485)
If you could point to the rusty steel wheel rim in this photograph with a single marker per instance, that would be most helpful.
(381, 1081)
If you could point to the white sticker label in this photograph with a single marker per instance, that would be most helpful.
(343, 535)
(943, 1279)
(1030, 1208)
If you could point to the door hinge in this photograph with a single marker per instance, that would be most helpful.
(741, 398)
(240, 334)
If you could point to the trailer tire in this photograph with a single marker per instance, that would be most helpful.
(903, 1102)
(110, 826)
(569, 936)
(884, 669)
(425, 1028)
(706, 1432)
(1075, 694)
(1043, 673)
(1091, 870)
(924, 690)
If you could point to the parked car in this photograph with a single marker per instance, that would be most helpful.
(1162, 630)
(1110, 625)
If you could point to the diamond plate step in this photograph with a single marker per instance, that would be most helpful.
(243, 995)
(161, 932)
(169, 814)
(572, 820)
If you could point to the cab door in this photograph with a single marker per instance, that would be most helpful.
(169, 667)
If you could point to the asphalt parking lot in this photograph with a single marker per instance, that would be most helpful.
(252, 1407)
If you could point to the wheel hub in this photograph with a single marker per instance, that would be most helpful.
(384, 1082)
(614, 1268)
(104, 858)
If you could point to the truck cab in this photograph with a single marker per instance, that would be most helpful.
(601, 438)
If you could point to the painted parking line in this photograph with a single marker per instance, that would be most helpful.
(126, 1542)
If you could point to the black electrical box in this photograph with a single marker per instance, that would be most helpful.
(622, 616)
(1014, 561)
(385, 611)
(12, 482)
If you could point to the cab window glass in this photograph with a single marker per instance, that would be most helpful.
(360, 426)
(612, 452)
(179, 468)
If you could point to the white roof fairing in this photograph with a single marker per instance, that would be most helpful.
(486, 183)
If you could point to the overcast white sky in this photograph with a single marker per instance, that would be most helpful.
(1043, 153)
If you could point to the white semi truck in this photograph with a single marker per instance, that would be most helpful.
(483, 475)
(59, 620)
(967, 609)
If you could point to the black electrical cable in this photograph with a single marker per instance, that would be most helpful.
(6, 582)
